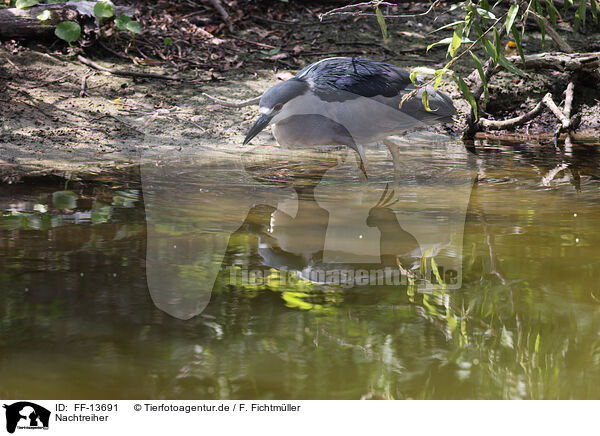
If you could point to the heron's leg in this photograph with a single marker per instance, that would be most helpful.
(362, 160)
(363, 171)
(393, 148)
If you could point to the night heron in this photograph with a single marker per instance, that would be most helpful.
(347, 101)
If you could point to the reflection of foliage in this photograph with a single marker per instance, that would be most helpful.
(505, 334)
(200, 271)
(62, 206)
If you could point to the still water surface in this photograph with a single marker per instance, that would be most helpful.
(257, 277)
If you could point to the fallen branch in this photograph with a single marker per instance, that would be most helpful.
(217, 5)
(23, 23)
(16, 67)
(547, 100)
(569, 99)
(234, 104)
(574, 62)
(512, 122)
(116, 72)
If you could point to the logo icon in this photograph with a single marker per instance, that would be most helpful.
(26, 415)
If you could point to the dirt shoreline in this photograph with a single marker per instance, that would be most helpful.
(48, 125)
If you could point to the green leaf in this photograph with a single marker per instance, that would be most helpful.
(510, 17)
(540, 13)
(44, 16)
(567, 5)
(479, 67)
(447, 41)
(425, 100)
(413, 77)
(466, 92)
(439, 74)
(134, 27)
(497, 47)
(595, 7)
(468, 23)
(517, 37)
(553, 12)
(490, 50)
(510, 66)
(456, 41)
(485, 15)
(536, 347)
(121, 22)
(381, 22)
(24, 4)
(64, 200)
(580, 14)
(103, 10)
(487, 45)
(167, 41)
(448, 25)
(271, 52)
(68, 31)
(441, 41)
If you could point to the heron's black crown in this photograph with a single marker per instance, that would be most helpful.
(283, 92)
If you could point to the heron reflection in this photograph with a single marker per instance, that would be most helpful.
(285, 240)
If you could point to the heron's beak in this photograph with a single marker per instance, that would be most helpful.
(262, 122)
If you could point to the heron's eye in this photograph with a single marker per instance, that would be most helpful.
(278, 107)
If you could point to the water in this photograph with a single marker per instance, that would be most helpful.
(264, 276)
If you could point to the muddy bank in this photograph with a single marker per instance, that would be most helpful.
(48, 125)
(51, 123)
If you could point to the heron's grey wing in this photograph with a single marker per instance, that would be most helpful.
(364, 96)
(343, 79)
(337, 79)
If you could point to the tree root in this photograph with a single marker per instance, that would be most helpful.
(574, 63)
(567, 123)
(512, 122)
